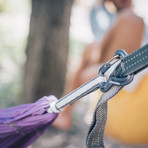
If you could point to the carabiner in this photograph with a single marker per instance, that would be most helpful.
(119, 55)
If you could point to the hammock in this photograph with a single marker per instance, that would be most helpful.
(23, 124)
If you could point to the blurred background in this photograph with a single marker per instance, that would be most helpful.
(40, 40)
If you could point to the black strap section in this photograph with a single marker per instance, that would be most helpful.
(133, 63)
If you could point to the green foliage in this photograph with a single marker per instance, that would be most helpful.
(14, 27)
(10, 93)
(3, 5)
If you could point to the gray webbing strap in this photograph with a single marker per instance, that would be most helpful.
(131, 64)
(97, 127)
(96, 131)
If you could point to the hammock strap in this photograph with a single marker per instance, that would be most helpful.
(129, 66)
(133, 63)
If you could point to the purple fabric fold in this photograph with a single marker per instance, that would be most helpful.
(23, 124)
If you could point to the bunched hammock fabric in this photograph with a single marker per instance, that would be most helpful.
(23, 124)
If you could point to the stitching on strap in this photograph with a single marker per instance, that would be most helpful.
(123, 68)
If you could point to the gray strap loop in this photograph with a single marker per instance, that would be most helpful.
(97, 127)
(96, 131)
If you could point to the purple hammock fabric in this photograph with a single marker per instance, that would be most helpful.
(23, 124)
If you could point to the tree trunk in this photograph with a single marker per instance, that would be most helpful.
(47, 48)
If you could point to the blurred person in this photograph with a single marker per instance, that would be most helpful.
(125, 121)
(102, 16)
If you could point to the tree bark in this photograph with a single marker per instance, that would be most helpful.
(47, 48)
